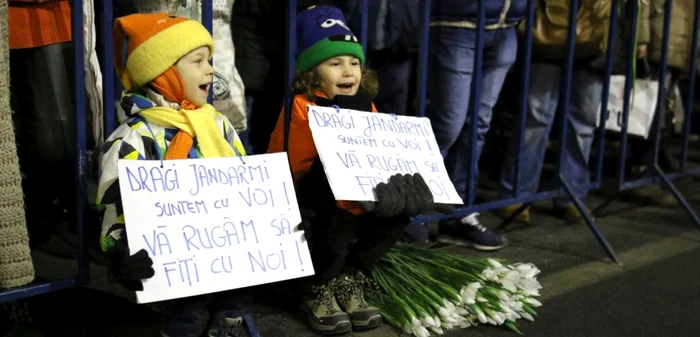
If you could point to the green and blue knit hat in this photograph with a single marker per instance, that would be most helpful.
(323, 34)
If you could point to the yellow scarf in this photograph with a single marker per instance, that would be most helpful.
(199, 123)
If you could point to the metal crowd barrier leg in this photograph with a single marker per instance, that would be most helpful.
(565, 98)
(423, 57)
(522, 116)
(660, 113)
(653, 173)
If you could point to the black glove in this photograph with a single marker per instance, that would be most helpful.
(391, 199)
(127, 269)
(417, 201)
(305, 225)
(418, 183)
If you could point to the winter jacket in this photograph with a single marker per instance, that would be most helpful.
(622, 34)
(681, 34)
(138, 139)
(464, 13)
(302, 149)
(392, 24)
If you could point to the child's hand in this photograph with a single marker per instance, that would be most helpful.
(391, 200)
(427, 196)
(128, 269)
(305, 225)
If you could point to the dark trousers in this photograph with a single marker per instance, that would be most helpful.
(347, 243)
(342, 241)
(187, 317)
(395, 85)
(44, 118)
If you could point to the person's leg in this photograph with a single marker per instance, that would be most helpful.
(333, 233)
(393, 73)
(44, 115)
(542, 101)
(450, 76)
(186, 317)
(499, 55)
(375, 237)
(583, 115)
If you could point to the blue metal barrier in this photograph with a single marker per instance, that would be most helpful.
(80, 173)
(562, 187)
(653, 174)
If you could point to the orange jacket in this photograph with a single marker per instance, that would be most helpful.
(302, 149)
(37, 25)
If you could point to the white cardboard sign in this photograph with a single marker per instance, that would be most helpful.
(213, 224)
(360, 149)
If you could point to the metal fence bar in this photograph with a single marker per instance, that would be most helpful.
(629, 75)
(36, 289)
(423, 46)
(290, 52)
(109, 113)
(81, 139)
(488, 206)
(610, 52)
(661, 112)
(524, 94)
(475, 107)
(208, 23)
(566, 77)
(691, 88)
(364, 11)
(661, 105)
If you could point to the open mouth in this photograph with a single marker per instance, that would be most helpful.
(205, 87)
(346, 87)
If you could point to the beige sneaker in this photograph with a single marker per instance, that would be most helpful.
(325, 316)
(571, 214)
(351, 297)
(506, 212)
(653, 195)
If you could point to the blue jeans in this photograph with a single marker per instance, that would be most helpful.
(452, 54)
(543, 100)
(186, 317)
(394, 75)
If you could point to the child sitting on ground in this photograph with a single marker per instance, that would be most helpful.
(165, 115)
(350, 238)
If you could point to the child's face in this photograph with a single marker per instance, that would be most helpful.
(197, 75)
(340, 75)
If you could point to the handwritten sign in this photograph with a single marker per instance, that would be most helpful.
(213, 224)
(361, 149)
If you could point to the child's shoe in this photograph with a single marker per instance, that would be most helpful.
(351, 298)
(325, 316)
(228, 327)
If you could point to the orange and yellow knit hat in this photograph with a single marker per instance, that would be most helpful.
(152, 43)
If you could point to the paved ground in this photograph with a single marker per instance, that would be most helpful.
(654, 292)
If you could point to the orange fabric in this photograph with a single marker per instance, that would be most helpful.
(302, 150)
(38, 25)
(170, 85)
(180, 146)
(139, 28)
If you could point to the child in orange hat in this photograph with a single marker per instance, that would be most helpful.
(165, 115)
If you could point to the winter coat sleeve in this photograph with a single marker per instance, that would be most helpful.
(302, 149)
(124, 143)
